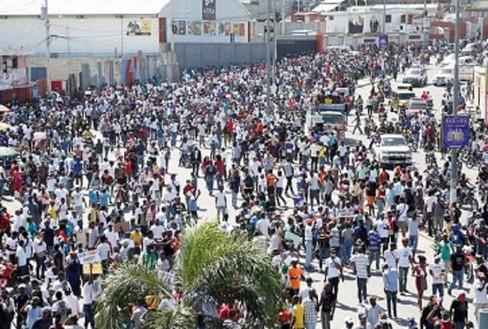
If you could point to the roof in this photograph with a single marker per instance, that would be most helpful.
(82, 7)
(327, 5)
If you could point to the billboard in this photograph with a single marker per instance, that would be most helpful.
(142, 27)
(208, 10)
(455, 131)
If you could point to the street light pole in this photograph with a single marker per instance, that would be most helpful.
(268, 59)
(275, 45)
(384, 17)
(45, 17)
(455, 102)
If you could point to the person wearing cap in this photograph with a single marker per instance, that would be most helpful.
(430, 313)
(363, 321)
(33, 312)
(459, 310)
(45, 321)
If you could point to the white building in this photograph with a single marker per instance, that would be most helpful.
(119, 27)
(369, 19)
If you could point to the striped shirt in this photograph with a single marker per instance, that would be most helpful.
(361, 263)
(374, 240)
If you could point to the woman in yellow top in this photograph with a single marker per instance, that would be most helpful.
(298, 321)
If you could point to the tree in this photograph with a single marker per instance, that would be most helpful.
(210, 267)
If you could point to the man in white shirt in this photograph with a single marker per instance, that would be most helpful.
(220, 203)
(391, 256)
(157, 229)
(333, 269)
(404, 262)
(21, 256)
(437, 271)
(362, 269)
(89, 296)
(263, 225)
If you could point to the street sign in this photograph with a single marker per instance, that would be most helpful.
(383, 40)
(455, 131)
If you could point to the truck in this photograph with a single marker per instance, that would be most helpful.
(327, 118)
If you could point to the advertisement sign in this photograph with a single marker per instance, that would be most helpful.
(141, 27)
(208, 10)
(455, 131)
(383, 40)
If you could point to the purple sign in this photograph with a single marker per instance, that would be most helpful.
(383, 40)
(455, 131)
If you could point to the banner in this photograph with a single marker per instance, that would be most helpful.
(208, 10)
(383, 40)
(141, 27)
(455, 131)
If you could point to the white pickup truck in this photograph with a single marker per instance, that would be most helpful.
(392, 150)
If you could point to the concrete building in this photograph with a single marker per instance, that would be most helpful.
(403, 19)
(120, 27)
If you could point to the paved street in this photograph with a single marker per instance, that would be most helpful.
(348, 304)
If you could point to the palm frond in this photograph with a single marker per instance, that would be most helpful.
(181, 317)
(127, 284)
(197, 251)
(240, 272)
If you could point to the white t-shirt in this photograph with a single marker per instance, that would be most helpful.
(333, 265)
(103, 250)
(220, 200)
(262, 226)
(404, 255)
(21, 256)
(157, 231)
(391, 256)
(429, 203)
(437, 270)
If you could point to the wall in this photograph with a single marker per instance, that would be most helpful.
(92, 34)
(450, 27)
(198, 55)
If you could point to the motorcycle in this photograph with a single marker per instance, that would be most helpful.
(468, 197)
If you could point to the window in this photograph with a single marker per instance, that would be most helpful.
(388, 19)
(330, 18)
(410, 19)
(402, 19)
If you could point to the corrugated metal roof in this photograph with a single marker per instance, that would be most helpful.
(325, 7)
(82, 7)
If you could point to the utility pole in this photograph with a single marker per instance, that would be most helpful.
(455, 102)
(268, 59)
(45, 17)
(384, 17)
(275, 41)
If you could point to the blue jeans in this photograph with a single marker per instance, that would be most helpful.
(234, 199)
(2, 183)
(209, 180)
(173, 139)
(457, 276)
(413, 242)
(89, 316)
(362, 289)
(402, 278)
(308, 253)
(346, 251)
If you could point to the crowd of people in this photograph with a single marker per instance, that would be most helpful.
(103, 174)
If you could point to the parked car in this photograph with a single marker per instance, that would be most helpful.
(417, 77)
(392, 150)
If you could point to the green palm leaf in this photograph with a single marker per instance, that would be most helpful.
(182, 317)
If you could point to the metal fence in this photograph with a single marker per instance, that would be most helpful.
(198, 55)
